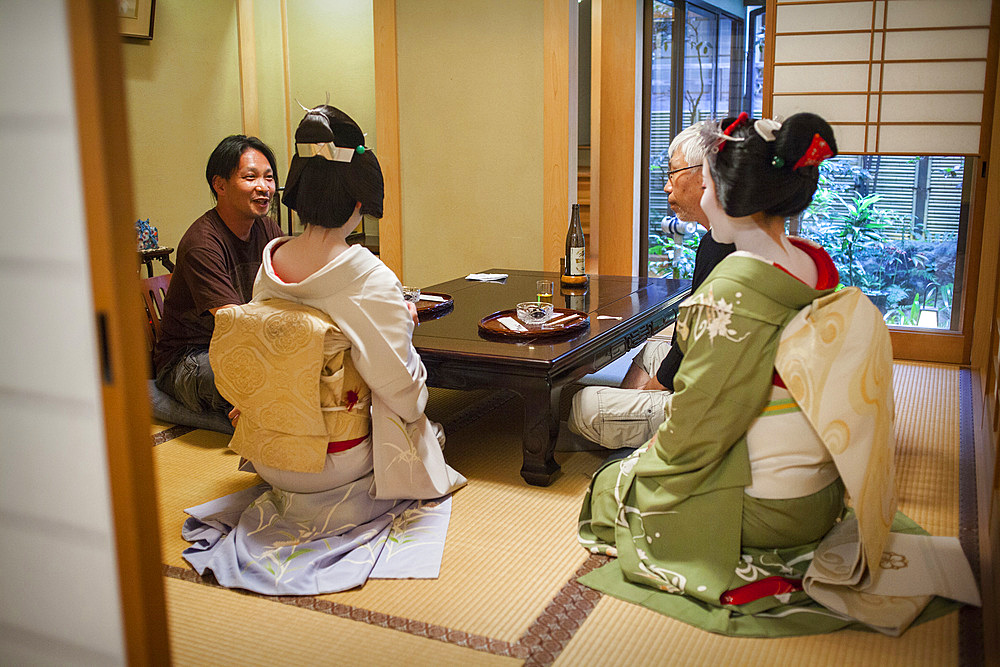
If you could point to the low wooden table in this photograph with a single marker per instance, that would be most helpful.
(458, 357)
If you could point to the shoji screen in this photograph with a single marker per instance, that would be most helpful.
(891, 76)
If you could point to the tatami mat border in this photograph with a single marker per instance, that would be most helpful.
(549, 634)
(970, 623)
(540, 645)
(418, 628)
(170, 433)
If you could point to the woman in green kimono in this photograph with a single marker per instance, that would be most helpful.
(734, 466)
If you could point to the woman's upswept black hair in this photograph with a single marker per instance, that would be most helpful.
(325, 192)
(756, 175)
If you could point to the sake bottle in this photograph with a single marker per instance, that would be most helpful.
(575, 263)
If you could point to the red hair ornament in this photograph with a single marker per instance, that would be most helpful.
(818, 151)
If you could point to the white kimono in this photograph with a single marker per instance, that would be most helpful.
(391, 488)
(358, 292)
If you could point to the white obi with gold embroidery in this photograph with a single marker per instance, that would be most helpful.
(287, 368)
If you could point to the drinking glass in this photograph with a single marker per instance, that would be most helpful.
(534, 312)
(544, 289)
(411, 294)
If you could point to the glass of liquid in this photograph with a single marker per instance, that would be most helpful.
(544, 290)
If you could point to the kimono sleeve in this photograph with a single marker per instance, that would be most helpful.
(381, 330)
(722, 384)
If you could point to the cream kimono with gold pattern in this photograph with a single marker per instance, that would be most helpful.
(325, 360)
(363, 300)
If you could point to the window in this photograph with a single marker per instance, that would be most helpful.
(697, 64)
(892, 225)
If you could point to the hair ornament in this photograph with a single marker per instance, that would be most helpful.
(711, 136)
(777, 162)
(327, 150)
(742, 118)
(818, 151)
(766, 127)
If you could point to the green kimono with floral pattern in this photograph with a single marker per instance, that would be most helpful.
(672, 511)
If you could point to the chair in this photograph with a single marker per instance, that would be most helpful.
(153, 292)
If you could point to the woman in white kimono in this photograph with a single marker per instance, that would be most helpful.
(784, 397)
(329, 396)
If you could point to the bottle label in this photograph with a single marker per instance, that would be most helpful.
(577, 262)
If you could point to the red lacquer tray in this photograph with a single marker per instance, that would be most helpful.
(491, 325)
(431, 309)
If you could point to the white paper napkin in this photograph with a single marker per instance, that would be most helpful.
(486, 276)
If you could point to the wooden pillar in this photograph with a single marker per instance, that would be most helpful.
(561, 34)
(387, 130)
(107, 192)
(616, 190)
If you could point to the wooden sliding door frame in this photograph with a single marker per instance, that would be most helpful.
(953, 347)
(107, 192)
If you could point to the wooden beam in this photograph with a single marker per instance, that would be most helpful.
(596, 19)
(984, 230)
(107, 192)
(387, 131)
(248, 68)
(770, 23)
(616, 202)
(561, 34)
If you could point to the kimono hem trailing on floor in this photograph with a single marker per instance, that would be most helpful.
(672, 513)
(325, 361)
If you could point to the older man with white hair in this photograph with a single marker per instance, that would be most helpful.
(627, 416)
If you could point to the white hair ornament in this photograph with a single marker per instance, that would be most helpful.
(766, 127)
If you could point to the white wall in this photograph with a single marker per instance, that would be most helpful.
(58, 592)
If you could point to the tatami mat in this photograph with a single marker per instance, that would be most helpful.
(507, 584)
(927, 442)
(192, 469)
(620, 633)
(510, 547)
(211, 626)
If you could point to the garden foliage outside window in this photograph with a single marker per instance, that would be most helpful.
(894, 225)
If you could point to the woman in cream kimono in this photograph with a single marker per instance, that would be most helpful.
(784, 397)
(329, 396)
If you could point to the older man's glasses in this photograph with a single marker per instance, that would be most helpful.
(670, 174)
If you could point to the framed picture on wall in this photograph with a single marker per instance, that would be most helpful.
(135, 18)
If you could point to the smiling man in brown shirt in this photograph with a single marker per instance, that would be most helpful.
(217, 261)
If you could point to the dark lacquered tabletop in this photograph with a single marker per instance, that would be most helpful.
(623, 312)
(607, 299)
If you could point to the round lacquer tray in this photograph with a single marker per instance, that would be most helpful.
(564, 321)
(428, 310)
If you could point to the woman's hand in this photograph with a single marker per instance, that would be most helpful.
(234, 416)
(412, 307)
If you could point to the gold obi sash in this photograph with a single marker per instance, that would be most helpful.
(287, 367)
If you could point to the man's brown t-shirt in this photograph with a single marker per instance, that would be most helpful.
(214, 268)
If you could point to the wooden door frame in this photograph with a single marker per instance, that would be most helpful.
(108, 205)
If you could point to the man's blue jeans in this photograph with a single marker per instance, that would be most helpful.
(191, 382)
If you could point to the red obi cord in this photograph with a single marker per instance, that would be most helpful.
(344, 445)
(761, 589)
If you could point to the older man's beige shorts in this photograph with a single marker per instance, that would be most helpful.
(616, 418)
